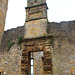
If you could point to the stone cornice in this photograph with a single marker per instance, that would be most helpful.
(40, 37)
(37, 6)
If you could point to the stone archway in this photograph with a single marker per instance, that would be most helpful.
(36, 45)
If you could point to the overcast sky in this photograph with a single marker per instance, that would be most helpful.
(59, 10)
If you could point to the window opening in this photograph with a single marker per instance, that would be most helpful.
(32, 66)
(32, 62)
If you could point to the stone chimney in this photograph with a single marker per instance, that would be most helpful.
(36, 18)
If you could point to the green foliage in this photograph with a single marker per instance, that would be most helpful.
(8, 41)
(20, 38)
(9, 44)
(52, 42)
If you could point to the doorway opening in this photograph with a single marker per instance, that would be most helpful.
(36, 62)
(32, 66)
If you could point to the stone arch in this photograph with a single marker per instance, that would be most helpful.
(36, 45)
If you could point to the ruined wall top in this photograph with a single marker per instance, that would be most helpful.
(60, 29)
(35, 2)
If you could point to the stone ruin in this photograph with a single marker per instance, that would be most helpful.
(51, 46)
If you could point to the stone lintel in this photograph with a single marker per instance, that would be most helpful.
(41, 37)
(36, 6)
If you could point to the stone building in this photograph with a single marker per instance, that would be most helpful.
(46, 49)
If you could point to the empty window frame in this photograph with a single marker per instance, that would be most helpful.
(32, 66)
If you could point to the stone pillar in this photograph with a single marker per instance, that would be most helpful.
(47, 58)
(3, 10)
(36, 18)
(24, 62)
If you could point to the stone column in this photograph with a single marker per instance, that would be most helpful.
(3, 10)
(47, 58)
(24, 62)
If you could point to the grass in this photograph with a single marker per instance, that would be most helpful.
(50, 34)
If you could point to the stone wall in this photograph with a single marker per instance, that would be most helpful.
(10, 61)
(35, 28)
(63, 54)
(3, 9)
(35, 2)
(36, 20)
(42, 66)
(62, 29)
(38, 62)
(12, 35)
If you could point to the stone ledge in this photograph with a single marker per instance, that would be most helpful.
(39, 37)
(35, 19)
(36, 6)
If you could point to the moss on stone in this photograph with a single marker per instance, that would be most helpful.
(52, 42)
(10, 44)
(50, 34)
(20, 38)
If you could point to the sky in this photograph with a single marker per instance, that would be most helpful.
(59, 10)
